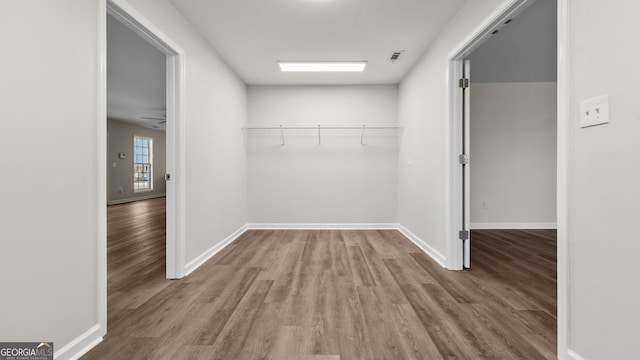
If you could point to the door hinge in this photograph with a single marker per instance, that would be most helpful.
(463, 83)
(463, 234)
(463, 159)
(167, 177)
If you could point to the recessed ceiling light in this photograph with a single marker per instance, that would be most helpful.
(322, 66)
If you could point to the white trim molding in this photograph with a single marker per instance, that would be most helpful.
(101, 162)
(137, 198)
(563, 183)
(323, 226)
(205, 256)
(435, 254)
(512, 226)
(574, 355)
(81, 345)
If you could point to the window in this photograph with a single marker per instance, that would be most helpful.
(142, 164)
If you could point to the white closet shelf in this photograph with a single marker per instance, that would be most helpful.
(323, 127)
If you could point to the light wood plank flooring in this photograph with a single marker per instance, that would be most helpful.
(332, 295)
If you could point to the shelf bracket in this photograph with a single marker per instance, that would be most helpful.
(282, 134)
(362, 136)
(319, 139)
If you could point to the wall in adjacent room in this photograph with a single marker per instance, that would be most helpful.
(120, 182)
(513, 123)
(339, 181)
(513, 155)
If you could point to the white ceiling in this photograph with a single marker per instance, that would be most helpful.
(136, 78)
(252, 35)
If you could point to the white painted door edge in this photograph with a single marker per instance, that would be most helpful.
(563, 184)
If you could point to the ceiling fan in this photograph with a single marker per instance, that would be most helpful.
(162, 119)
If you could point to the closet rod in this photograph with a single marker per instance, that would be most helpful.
(322, 127)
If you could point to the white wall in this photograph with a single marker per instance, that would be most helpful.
(216, 160)
(48, 91)
(120, 140)
(603, 180)
(49, 192)
(602, 174)
(513, 155)
(340, 181)
(424, 150)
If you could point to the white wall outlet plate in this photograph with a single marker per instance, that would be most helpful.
(594, 111)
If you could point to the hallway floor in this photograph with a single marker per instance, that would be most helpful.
(327, 295)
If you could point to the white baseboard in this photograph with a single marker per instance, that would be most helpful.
(81, 345)
(197, 262)
(323, 226)
(435, 255)
(137, 198)
(512, 226)
(574, 356)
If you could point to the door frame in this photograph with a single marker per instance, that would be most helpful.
(466, 170)
(175, 141)
(455, 72)
(454, 249)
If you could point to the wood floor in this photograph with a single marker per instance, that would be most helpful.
(136, 254)
(330, 295)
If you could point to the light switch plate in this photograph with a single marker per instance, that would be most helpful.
(594, 111)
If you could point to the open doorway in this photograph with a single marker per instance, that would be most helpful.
(504, 142)
(136, 168)
(512, 127)
(515, 125)
(146, 173)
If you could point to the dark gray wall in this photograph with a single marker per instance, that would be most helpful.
(523, 51)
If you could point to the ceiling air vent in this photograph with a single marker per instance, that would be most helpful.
(395, 56)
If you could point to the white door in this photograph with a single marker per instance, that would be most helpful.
(466, 92)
